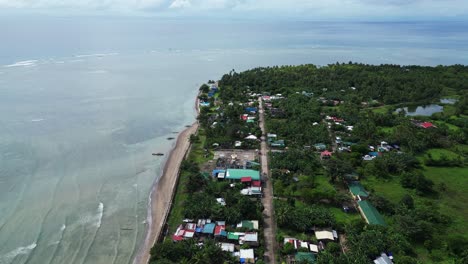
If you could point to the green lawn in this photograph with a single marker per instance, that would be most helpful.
(343, 218)
(436, 153)
(453, 201)
(382, 109)
(388, 188)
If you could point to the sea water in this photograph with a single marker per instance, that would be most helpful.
(84, 103)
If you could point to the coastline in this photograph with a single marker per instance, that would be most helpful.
(162, 191)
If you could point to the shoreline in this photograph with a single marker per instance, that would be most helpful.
(162, 191)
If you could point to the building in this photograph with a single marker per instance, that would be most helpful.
(250, 224)
(357, 191)
(246, 256)
(238, 174)
(250, 239)
(277, 143)
(320, 146)
(370, 214)
(304, 257)
(426, 125)
(325, 154)
(383, 259)
(326, 235)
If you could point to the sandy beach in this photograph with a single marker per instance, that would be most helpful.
(161, 194)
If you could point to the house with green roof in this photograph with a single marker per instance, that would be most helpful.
(357, 190)
(238, 174)
(278, 143)
(302, 257)
(370, 214)
(320, 146)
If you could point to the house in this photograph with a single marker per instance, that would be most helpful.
(304, 257)
(238, 174)
(326, 235)
(271, 137)
(383, 259)
(313, 248)
(238, 144)
(251, 137)
(251, 191)
(320, 146)
(325, 154)
(209, 228)
(278, 143)
(229, 247)
(251, 109)
(234, 235)
(221, 201)
(336, 119)
(246, 256)
(357, 191)
(216, 173)
(250, 224)
(220, 231)
(370, 214)
(426, 125)
(250, 239)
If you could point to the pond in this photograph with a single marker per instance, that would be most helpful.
(426, 110)
(448, 100)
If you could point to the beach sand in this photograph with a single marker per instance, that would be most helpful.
(162, 192)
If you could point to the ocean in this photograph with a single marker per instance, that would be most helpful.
(84, 101)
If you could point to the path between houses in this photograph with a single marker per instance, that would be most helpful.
(268, 213)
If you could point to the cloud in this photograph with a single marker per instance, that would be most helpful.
(180, 4)
(309, 9)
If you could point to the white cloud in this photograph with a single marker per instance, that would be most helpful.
(180, 4)
(311, 9)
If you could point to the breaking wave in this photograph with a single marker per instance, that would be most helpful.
(96, 55)
(26, 63)
(10, 256)
(95, 219)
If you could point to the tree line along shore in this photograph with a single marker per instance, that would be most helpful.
(367, 163)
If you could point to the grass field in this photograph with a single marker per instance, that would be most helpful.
(388, 188)
(453, 201)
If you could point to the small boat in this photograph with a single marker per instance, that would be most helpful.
(188, 126)
(170, 138)
(126, 228)
(158, 154)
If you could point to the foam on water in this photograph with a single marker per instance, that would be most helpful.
(26, 63)
(10, 256)
(95, 219)
(96, 55)
(100, 214)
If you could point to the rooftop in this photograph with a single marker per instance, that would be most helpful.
(357, 189)
(305, 257)
(373, 217)
(237, 174)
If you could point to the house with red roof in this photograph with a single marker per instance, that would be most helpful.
(325, 154)
(426, 125)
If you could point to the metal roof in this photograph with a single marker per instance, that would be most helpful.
(237, 174)
(372, 216)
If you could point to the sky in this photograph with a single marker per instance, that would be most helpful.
(304, 9)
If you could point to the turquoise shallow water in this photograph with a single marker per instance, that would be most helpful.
(81, 113)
